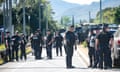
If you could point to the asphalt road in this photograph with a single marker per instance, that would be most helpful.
(57, 64)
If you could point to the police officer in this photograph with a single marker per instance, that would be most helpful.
(58, 41)
(91, 48)
(32, 43)
(36, 45)
(96, 62)
(15, 45)
(70, 42)
(22, 47)
(105, 42)
(8, 46)
(49, 42)
(41, 42)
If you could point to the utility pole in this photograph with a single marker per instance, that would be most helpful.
(89, 17)
(100, 11)
(24, 20)
(61, 21)
(10, 16)
(39, 14)
(4, 16)
(73, 22)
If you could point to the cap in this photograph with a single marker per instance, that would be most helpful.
(72, 26)
(38, 29)
(7, 32)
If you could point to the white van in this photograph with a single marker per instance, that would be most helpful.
(116, 49)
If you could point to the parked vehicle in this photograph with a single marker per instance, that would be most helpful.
(116, 49)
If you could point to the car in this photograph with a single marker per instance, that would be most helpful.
(116, 49)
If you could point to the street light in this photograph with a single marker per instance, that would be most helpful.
(89, 17)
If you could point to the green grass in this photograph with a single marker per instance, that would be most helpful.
(2, 47)
(84, 44)
(1, 61)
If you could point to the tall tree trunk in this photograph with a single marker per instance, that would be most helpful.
(24, 21)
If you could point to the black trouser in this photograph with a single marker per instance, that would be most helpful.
(58, 48)
(15, 52)
(97, 57)
(49, 51)
(9, 53)
(37, 52)
(40, 51)
(91, 54)
(69, 52)
(105, 56)
(23, 52)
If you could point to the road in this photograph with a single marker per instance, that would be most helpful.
(57, 64)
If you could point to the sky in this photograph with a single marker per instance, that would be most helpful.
(81, 2)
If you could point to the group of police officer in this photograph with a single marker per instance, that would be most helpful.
(15, 46)
(99, 48)
(38, 42)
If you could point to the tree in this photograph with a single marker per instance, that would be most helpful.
(117, 15)
(110, 15)
(66, 20)
(32, 11)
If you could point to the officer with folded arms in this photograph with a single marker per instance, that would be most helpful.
(70, 42)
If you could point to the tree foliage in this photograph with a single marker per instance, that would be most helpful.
(32, 15)
(110, 15)
(66, 20)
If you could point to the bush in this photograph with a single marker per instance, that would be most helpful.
(2, 47)
(84, 44)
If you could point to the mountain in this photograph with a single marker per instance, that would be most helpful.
(82, 12)
(62, 8)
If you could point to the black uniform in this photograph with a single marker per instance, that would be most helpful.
(15, 46)
(91, 49)
(49, 46)
(32, 45)
(36, 46)
(70, 41)
(23, 49)
(40, 37)
(8, 47)
(58, 40)
(104, 50)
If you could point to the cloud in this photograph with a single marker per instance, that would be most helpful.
(81, 2)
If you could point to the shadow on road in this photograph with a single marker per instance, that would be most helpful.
(39, 68)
